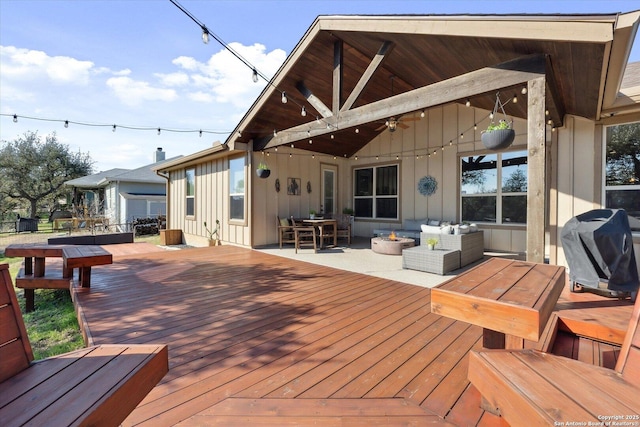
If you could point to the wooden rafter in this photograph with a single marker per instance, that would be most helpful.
(376, 62)
(315, 102)
(477, 82)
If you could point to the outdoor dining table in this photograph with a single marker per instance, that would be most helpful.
(321, 224)
(511, 300)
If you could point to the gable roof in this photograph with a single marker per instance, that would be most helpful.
(143, 174)
(356, 71)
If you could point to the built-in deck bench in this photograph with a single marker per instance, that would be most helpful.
(531, 387)
(34, 274)
(97, 386)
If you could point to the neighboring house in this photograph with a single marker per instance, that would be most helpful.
(122, 195)
(392, 99)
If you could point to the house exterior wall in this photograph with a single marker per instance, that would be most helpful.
(211, 203)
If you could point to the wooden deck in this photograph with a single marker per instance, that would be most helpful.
(256, 339)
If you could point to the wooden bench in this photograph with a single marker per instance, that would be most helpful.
(97, 386)
(33, 275)
(530, 387)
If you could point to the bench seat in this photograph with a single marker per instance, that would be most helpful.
(530, 387)
(97, 386)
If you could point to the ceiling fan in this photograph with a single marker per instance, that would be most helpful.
(392, 122)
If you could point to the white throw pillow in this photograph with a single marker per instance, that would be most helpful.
(431, 229)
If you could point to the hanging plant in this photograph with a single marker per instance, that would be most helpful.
(263, 170)
(498, 136)
(427, 185)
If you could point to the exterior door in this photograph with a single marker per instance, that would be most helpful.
(329, 186)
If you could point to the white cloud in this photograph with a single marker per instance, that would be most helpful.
(132, 92)
(173, 79)
(35, 64)
(200, 97)
(227, 78)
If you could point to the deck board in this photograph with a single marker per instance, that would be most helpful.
(252, 333)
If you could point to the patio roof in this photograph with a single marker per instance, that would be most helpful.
(358, 71)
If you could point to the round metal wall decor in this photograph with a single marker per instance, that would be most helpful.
(427, 185)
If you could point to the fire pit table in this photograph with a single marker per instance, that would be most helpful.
(391, 246)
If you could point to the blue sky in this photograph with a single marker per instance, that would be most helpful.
(142, 63)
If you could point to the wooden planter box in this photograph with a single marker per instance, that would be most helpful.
(171, 237)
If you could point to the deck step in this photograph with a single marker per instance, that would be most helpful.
(327, 412)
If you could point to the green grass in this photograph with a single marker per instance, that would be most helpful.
(53, 326)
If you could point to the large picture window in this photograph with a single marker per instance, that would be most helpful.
(493, 188)
(622, 168)
(236, 188)
(376, 192)
(190, 176)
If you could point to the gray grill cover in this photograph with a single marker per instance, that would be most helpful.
(599, 248)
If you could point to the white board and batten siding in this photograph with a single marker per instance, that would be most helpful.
(211, 203)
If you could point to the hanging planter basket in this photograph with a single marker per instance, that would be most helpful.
(263, 173)
(498, 139)
(498, 136)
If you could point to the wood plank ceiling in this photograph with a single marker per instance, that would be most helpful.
(574, 73)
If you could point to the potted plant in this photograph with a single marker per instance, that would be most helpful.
(214, 235)
(312, 214)
(498, 136)
(431, 243)
(347, 211)
(263, 170)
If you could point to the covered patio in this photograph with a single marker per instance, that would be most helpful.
(261, 339)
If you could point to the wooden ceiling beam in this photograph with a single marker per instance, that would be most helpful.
(315, 102)
(376, 62)
(338, 68)
(477, 82)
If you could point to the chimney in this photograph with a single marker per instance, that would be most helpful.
(158, 155)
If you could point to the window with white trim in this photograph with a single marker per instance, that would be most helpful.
(376, 192)
(482, 199)
(622, 168)
(236, 188)
(190, 178)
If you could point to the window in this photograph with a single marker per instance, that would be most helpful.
(190, 175)
(622, 168)
(236, 188)
(483, 200)
(376, 192)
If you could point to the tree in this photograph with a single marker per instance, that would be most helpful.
(35, 171)
(623, 154)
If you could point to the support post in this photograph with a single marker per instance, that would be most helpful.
(536, 188)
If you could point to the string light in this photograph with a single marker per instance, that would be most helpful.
(159, 131)
(422, 114)
(205, 35)
(254, 76)
(468, 103)
(303, 113)
(515, 99)
(524, 90)
(284, 98)
(67, 123)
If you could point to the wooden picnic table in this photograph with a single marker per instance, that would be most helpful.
(511, 300)
(34, 274)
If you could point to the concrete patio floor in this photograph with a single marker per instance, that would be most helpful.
(359, 258)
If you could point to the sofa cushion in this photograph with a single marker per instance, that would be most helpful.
(413, 224)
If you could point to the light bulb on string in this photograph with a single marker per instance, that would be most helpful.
(159, 131)
(15, 118)
(66, 123)
(468, 103)
(254, 76)
(475, 126)
(515, 99)
(422, 114)
(303, 113)
(524, 90)
(284, 98)
(200, 133)
(205, 35)
(113, 129)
